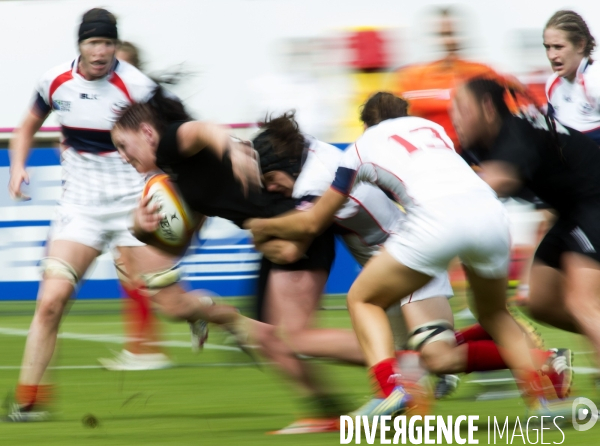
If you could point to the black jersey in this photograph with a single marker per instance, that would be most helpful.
(209, 186)
(561, 167)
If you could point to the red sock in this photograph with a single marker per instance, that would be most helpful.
(383, 374)
(30, 395)
(482, 356)
(472, 333)
(540, 357)
(139, 318)
(531, 386)
(25, 395)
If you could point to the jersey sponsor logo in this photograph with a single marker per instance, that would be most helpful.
(60, 105)
(88, 96)
(585, 108)
(117, 108)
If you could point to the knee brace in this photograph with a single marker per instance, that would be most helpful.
(438, 330)
(57, 268)
(156, 281)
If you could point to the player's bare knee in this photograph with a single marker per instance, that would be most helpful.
(581, 303)
(50, 310)
(537, 309)
(439, 358)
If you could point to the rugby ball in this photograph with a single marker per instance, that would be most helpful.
(178, 223)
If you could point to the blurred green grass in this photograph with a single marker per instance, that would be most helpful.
(215, 397)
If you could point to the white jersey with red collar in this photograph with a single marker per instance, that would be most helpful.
(367, 214)
(367, 218)
(576, 104)
(93, 172)
(412, 160)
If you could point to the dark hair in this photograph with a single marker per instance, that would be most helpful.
(575, 27)
(481, 87)
(382, 106)
(134, 53)
(159, 111)
(98, 22)
(280, 144)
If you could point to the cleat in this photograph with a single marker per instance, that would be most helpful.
(560, 411)
(310, 426)
(127, 361)
(396, 404)
(559, 368)
(199, 334)
(240, 334)
(199, 328)
(446, 385)
(17, 413)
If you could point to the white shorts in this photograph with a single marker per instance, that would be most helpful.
(473, 227)
(438, 286)
(99, 227)
(524, 222)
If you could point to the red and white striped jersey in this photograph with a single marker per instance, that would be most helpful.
(367, 214)
(412, 160)
(93, 171)
(577, 104)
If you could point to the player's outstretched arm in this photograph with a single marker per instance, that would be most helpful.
(299, 225)
(19, 147)
(195, 136)
(502, 177)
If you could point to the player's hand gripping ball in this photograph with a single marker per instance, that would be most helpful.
(177, 222)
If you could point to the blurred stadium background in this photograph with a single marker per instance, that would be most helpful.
(238, 59)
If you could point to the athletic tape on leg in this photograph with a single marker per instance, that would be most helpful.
(162, 279)
(58, 268)
(433, 331)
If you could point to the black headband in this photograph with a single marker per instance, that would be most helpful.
(270, 160)
(98, 28)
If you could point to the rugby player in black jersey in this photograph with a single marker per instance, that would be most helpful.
(560, 166)
(215, 176)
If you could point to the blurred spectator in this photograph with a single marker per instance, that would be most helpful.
(428, 87)
(129, 53)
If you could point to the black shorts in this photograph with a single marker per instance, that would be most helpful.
(319, 255)
(578, 232)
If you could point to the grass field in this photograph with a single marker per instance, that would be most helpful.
(211, 398)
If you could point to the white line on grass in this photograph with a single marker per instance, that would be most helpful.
(114, 339)
(84, 367)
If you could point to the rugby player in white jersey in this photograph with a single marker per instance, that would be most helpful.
(365, 222)
(450, 212)
(99, 192)
(573, 91)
